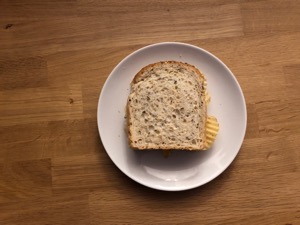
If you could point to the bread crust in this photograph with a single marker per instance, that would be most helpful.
(140, 76)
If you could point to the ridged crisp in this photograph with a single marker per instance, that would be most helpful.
(166, 108)
(212, 129)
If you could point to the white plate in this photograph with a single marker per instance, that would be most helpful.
(183, 169)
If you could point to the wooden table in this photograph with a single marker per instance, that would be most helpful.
(54, 59)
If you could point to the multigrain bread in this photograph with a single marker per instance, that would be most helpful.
(166, 108)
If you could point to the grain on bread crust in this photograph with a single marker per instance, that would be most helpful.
(166, 108)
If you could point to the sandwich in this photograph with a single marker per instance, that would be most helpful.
(167, 109)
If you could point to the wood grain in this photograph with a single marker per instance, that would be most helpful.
(54, 59)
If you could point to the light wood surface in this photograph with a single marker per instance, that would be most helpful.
(54, 59)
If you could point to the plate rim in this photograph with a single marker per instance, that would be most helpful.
(243, 104)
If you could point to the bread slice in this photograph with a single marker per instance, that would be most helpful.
(166, 108)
